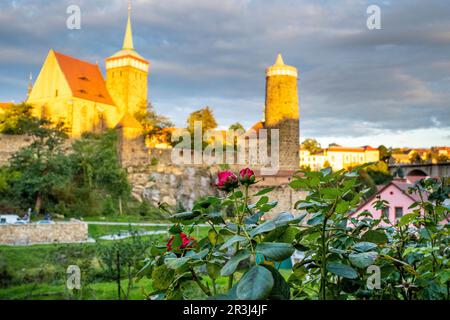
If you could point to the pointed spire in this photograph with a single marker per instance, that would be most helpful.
(279, 61)
(128, 40)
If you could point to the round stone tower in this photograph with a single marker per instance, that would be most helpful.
(282, 111)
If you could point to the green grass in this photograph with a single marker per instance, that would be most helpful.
(94, 291)
(124, 218)
(39, 271)
(95, 231)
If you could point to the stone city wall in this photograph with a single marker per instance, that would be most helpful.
(10, 144)
(73, 231)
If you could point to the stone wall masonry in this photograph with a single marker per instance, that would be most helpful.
(10, 144)
(181, 186)
(73, 231)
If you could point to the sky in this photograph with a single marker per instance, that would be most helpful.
(356, 86)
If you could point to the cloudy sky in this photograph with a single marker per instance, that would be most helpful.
(357, 86)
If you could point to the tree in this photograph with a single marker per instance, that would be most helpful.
(123, 259)
(385, 153)
(18, 119)
(43, 166)
(152, 122)
(379, 172)
(237, 126)
(312, 145)
(205, 116)
(442, 158)
(97, 171)
(415, 158)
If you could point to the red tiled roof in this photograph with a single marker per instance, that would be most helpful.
(5, 105)
(85, 79)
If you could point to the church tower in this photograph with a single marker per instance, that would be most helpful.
(126, 76)
(282, 111)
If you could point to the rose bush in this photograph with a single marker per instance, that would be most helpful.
(336, 249)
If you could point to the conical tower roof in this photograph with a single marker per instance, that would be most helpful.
(281, 69)
(128, 121)
(279, 61)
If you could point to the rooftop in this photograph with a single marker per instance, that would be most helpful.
(85, 79)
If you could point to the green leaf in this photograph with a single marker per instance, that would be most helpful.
(376, 236)
(317, 218)
(262, 200)
(183, 216)
(214, 238)
(280, 289)
(256, 284)
(363, 259)
(364, 246)
(215, 217)
(314, 182)
(342, 206)
(407, 219)
(330, 193)
(262, 228)
(162, 277)
(213, 270)
(264, 191)
(253, 219)
(277, 251)
(232, 241)
(326, 171)
(269, 206)
(342, 270)
(176, 263)
(286, 218)
(233, 263)
(298, 184)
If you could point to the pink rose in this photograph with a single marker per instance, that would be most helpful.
(227, 181)
(247, 177)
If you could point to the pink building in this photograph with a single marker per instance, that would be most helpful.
(399, 200)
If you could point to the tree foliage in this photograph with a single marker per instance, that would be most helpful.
(312, 145)
(205, 116)
(18, 119)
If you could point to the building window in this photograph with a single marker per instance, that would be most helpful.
(56, 93)
(398, 212)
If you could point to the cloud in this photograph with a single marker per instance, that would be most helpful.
(353, 82)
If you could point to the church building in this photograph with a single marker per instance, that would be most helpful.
(74, 91)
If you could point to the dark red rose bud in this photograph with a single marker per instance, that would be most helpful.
(247, 177)
(227, 181)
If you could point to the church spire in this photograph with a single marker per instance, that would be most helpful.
(128, 40)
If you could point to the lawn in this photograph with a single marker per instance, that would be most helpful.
(39, 271)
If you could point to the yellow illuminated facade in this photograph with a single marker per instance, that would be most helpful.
(74, 91)
(338, 157)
